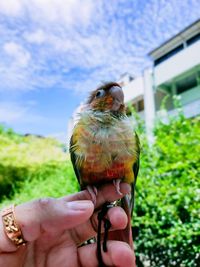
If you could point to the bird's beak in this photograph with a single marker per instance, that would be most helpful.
(118, 97)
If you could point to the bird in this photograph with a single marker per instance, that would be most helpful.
(104, 148)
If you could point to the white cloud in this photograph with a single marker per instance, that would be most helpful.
(10, 112)
(15, 72)
(13, 113)
(17, 53)
(37, 37)
(11, 7)
(66, 12)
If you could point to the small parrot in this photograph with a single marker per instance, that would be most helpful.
(104, 148)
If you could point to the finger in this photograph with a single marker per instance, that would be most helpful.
(119, 254)
(106, 193)
(14, 259)
(46, 215)
(116, 216)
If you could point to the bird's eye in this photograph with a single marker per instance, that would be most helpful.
(100, 93)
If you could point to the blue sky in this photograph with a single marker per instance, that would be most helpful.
(52, 52)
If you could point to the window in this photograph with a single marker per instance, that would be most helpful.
(131, 78)
(193, 39)
(138, 107)
(186, 84)
(141, 105)
(168, 55)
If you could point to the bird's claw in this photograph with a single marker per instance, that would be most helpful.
(117, 185)
(92, 190)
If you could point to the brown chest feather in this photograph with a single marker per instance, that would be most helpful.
(104, 152)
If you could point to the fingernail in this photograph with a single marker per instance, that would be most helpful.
(79, 205)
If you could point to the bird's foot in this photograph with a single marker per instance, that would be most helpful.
(101, 218)
(117, 185)
(107, 226)
(92, 190)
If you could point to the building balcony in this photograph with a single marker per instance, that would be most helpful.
(183, 61)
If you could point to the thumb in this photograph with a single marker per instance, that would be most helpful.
(49, 215)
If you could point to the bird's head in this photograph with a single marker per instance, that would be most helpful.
(108, 97)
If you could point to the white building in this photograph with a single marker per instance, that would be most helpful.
(175, 71)
(133, 91)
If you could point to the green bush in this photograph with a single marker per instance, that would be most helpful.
(49, 181)
(23, 158)
(166, 217)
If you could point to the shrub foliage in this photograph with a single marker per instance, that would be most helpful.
(166, 220)
(32, 167)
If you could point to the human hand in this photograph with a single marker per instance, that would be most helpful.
(54, 229)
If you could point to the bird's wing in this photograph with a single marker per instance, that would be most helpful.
(74, 160)
(136, 167)
(135, 171)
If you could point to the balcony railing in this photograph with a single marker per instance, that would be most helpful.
(180, 63)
